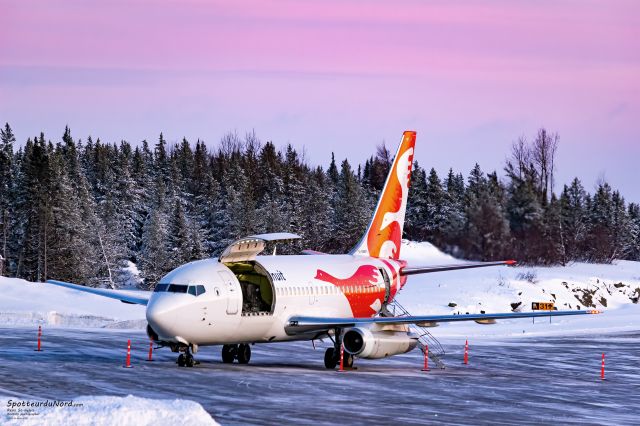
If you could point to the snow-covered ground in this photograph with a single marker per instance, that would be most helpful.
(612, 288)
(23, 303)
(105, 410)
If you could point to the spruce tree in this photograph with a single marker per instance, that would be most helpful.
(351, 212)
(573, 213)
(7, 139)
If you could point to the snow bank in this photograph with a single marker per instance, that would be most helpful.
(23, 303)
(112, 410)
(424, 254)
(612, 288)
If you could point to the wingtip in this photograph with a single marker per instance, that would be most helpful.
(511, 262)
(595, 311)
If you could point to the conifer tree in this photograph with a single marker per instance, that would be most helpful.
(351, 213)
(154, 259)
(7, 139)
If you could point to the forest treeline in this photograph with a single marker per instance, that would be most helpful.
(85, 211)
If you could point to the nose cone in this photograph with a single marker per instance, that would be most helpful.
(162, 313)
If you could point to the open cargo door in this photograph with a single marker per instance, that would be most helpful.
(248, 248)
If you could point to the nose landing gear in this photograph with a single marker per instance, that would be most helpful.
(186, 359)
(240, 352)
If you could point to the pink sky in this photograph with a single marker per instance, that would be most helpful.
(336, 76)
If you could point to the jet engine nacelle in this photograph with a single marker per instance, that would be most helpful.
(365, 343)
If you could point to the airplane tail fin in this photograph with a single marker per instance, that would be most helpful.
(383, 236)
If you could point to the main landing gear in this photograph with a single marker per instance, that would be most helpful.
(241, 352)
(332, 355)
(186, 359)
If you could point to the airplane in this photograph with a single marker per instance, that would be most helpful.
(243, 298)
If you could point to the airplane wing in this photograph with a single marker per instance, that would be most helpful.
(301, 324)
(414, 270)
(137, 297)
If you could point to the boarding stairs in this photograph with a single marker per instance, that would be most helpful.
(436, 351)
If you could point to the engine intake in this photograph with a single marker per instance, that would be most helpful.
(365, 343)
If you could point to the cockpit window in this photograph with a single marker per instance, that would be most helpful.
(194, 290)
(161, 287)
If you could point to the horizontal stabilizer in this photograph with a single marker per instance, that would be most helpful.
(414, 270)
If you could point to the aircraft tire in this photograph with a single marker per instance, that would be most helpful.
(348, 361)
(189, 361)
(181, 360)
(229, 353)
(244, 353)
(330, 360)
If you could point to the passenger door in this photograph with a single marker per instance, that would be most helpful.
(387, 284)
(233, 293)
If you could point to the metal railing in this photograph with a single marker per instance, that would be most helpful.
(424, 336)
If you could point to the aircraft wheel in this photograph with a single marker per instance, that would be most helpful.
(229, 353)
(244, 353)
(348, 360)
(181, 360)
(189, 361)
(330, 360)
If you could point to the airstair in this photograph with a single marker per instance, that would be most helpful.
(436, 351)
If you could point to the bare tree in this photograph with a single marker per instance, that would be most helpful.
(519, 165)
(384, 155)
(535, 162)
(543, 152)
(231, 143)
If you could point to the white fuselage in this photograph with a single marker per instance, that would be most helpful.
(251, 302)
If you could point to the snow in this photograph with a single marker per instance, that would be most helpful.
(25, 303)
(494, 289)
(131, 275)
(112, 410)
